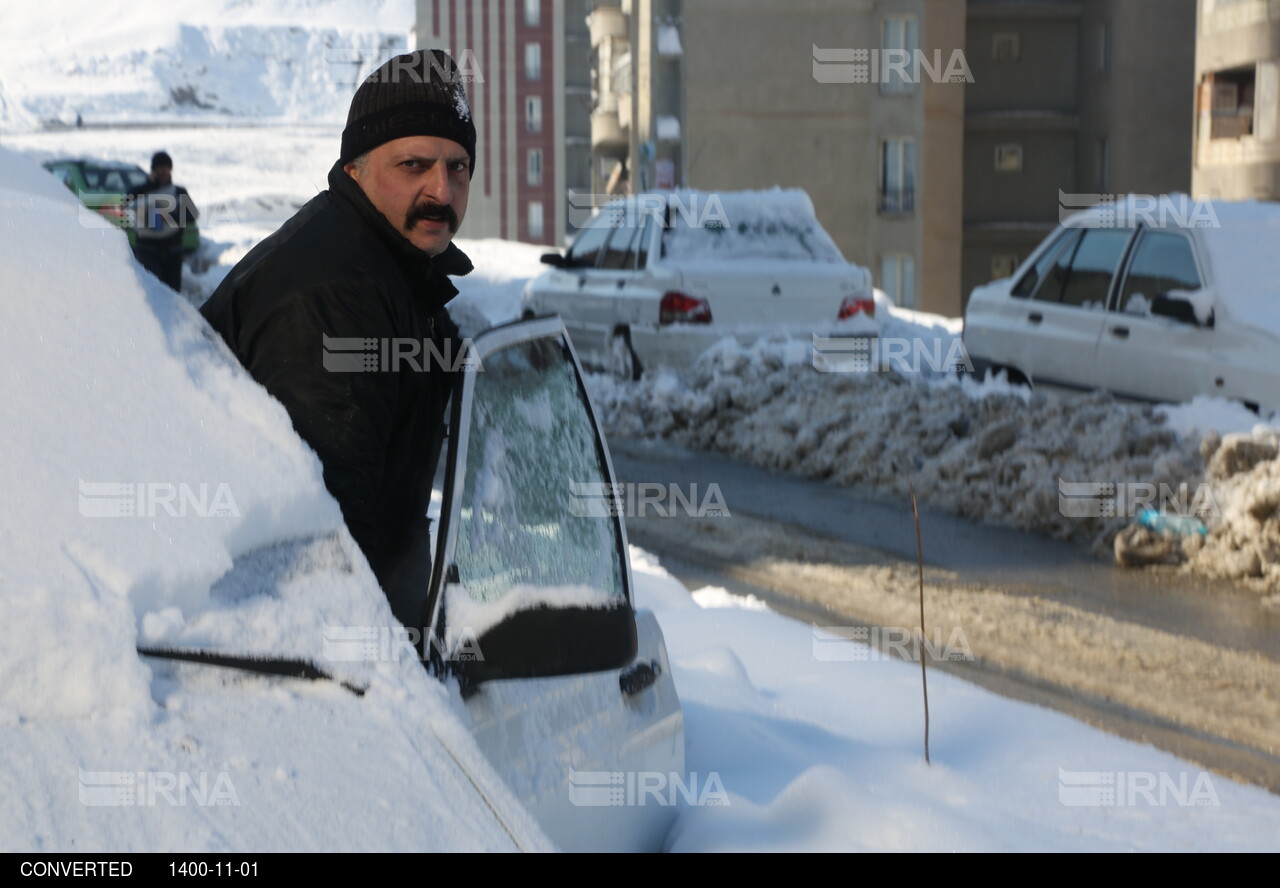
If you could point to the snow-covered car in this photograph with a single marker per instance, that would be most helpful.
(655, 279)
(1158, 300)
(195, 655)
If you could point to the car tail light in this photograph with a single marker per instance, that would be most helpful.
(854, 305)
(678, 308)
(111, 211)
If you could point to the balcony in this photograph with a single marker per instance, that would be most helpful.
(606, 23)
(897, 201)
(607, 133)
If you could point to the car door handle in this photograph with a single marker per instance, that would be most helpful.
(622, 283)
(777, 291)
(582, 281)
(1120, 332)
(1035, 317)
(639, 677)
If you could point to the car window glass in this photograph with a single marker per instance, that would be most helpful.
(619, 247)
(62, 174)
(1027, 283)
(93, 177)
(640, 249)
(1050, 289)
(746, 232)
(1161, 263)
(1093, 267)
(113, 180)
(536, 525)
(135, 178)
(585, 251)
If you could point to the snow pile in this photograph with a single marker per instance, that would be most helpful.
(272, 61)
(158, 496)
(1242, 542)
(984, 451)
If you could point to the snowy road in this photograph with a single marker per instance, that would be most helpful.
(1187, 665)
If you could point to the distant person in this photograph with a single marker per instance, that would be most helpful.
(161, 211)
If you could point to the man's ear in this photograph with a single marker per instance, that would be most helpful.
(352, 170)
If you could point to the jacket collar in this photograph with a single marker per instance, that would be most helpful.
(418, 266)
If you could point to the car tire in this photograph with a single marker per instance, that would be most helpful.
(623, 362)
(1013, 375)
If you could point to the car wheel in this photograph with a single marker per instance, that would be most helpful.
(1012, 374)
(623, 363)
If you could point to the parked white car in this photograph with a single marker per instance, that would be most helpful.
(1158, 300)
(655, 279)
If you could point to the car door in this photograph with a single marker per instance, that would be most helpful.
(530, 609)
(581, 292)
(1148, 356)
(1058, 341)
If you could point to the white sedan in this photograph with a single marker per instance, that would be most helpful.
(1157, 300)
(655, 279)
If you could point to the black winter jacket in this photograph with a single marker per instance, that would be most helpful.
(339, 269)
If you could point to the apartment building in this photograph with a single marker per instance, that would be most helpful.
(1237, 142)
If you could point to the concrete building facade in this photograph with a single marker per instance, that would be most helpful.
(1074, 98)
(1237, 140)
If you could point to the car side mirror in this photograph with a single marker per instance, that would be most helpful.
(1179, 309)
(555, 260)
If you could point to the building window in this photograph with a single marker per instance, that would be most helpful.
(532, 12)
(1008, 158)
(533, 114)
(1006, 47)
(534, 165)
(898, 278)
(535, 220)
(1104, 164)
(1003, 266)
(1231, 103)
(898, 176)
(1104, 46)
(898, 48)
(533, 61)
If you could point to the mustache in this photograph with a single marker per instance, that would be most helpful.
(434, 212)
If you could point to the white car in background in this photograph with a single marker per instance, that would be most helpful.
(1143, 301)
(655, 279)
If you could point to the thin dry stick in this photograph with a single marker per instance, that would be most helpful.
(924, 680)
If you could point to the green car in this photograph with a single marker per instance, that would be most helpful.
(102, 185)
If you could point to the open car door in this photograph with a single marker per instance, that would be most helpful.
(530, 608)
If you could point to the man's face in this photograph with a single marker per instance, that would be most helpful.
(421, 184)
(162, 175)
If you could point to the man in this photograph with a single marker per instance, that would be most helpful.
(161, 211)
(367, 260)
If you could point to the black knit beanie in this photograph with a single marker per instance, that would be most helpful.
(417, 94)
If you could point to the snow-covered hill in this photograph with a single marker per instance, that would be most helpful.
(192, 61)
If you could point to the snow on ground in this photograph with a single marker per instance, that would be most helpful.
(818, 745)
(159, 496)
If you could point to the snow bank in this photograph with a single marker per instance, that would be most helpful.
(276, 60)
(983, 451)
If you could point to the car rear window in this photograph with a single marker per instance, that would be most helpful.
(735, 236)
